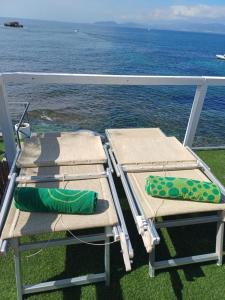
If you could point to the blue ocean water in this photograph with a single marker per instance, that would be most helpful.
(78, 48)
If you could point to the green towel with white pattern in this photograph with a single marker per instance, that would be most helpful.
(55, 200)
(183, 189)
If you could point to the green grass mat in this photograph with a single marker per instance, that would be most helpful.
(200, 281)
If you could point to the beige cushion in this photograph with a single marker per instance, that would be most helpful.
(147, 146)
(154, 207)
(62, 149)
(66, 170)
(20, 223)
(138, 133)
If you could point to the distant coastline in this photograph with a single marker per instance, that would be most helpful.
(182, 26)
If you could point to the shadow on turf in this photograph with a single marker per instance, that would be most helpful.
(187, 240)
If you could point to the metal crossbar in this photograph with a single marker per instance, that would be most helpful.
(119, 232)
(148, 229)
(63, 283)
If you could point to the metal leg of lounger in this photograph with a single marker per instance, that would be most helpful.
(151, 263)
(107, 258)
(219, 241)
(17, 260)
(62, 283)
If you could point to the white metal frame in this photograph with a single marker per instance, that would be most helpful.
(147, 228)
(118, 232)
(62, 283)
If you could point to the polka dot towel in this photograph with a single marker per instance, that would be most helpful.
(183, 189)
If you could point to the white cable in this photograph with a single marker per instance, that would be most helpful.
(46, 244)
(82, 241)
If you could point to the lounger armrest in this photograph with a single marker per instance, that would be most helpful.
(147, 242)
(7, 199)
(126, 246)
(125, 253)
(148, 232)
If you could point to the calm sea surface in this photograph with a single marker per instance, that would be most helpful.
(60, 47)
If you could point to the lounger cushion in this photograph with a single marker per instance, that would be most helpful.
(61, 149)
(21, 223)
(183, 189)
(56, 200)
(154, 207)
(147, 146)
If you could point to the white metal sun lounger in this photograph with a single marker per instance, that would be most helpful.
(138, 153)
(75, 161)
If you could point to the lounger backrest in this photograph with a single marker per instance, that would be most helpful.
(62, 149)
(148, 149)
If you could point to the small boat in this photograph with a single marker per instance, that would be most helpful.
(13, 24)
(76, 30)
(219, 56)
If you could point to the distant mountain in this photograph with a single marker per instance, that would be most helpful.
(106, 23)
(172, 25)
(113, 23)
(193, 27)
(201, 26)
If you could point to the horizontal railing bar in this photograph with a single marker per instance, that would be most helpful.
(215, 80)
(209, 148)
(51, 78)
(185, 260)
(44, 78)
(187, 221)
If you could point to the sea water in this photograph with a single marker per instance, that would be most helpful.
(80, 48)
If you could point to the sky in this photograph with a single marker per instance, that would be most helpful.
(139, 11)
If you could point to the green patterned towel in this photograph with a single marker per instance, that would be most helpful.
(183, 189)
(55, 200)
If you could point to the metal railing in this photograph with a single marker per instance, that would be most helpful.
(4, 168)
(23, 117)
(201, 82)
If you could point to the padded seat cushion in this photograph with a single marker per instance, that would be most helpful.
(21, 223)
(154, 207)
(61, 149)
(147, 146)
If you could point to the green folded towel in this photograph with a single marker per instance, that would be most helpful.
(183, 189)
(55, 200)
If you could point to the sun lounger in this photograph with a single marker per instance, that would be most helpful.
(72, 161)
(138, 153)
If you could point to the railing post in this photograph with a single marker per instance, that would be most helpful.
(196, 109)
(6, 125)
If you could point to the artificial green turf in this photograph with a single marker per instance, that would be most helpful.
(201, 281)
